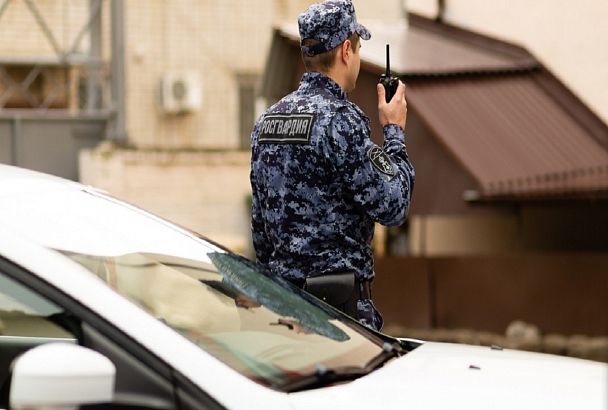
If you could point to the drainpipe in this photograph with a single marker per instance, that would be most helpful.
(440, 11)
(93, 79)
(118, 131)
(15, 136)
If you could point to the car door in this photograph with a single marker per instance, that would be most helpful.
(32, 313)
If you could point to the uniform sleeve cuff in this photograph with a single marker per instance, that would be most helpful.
(393, 132)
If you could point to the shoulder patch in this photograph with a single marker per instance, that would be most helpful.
(286, 129)
(380, 160)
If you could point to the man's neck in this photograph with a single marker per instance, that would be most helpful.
(335, 75)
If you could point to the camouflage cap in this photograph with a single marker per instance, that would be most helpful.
(330, 22)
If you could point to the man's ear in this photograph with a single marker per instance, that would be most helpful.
(346, 50)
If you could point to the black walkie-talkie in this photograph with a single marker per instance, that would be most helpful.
(389, 82)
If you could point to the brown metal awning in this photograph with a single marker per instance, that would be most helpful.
(517, 130)
(512, 136)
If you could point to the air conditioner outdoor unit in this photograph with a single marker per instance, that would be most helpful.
(181, 92)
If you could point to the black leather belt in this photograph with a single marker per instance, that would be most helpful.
(362, 289)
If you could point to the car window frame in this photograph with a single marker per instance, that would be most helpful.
(118, 339)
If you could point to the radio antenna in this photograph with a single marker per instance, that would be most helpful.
(388, 61)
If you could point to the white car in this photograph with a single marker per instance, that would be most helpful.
(104, 304)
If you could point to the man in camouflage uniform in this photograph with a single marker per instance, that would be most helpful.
(319, 183)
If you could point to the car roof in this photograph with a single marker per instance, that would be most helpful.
(15, 180)
(69, 216)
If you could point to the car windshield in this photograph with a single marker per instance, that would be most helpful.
(258, 324)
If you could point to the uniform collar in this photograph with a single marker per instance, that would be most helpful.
(313, 80)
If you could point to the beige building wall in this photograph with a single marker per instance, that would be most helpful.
(386, 10)
(569, 37)
(22, 37)
(442, 235)
(218, 40)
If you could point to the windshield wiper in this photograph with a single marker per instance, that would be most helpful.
(389, 351)
(323, 376)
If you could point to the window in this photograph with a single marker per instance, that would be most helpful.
(33, 86)
(252, 322)
(25, 314)
(26, 320)
(247, 107)
(398, 240)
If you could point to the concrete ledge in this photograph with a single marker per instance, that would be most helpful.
(168, 156)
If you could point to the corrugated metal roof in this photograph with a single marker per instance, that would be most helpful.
(512, 136)
(416, 49)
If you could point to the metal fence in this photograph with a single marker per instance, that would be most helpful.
(60, 94)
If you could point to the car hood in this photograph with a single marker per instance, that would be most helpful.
(441, 375)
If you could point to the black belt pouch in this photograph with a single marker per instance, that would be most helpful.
(336, 289)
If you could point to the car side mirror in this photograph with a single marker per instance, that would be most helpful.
(61, 376)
